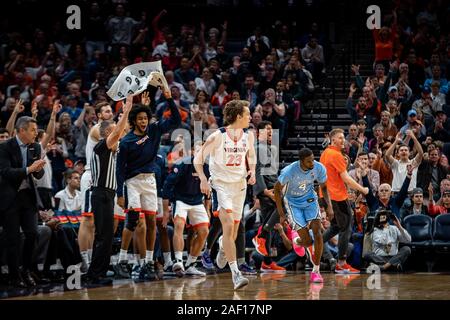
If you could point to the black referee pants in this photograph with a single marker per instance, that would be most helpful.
(102, 201)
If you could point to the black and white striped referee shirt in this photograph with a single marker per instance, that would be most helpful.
(103, 167)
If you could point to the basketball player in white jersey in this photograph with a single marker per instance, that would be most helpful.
(86, 232)
(230, 149)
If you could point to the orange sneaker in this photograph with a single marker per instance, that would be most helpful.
(345, 269)
(273, 267)
(260, 245)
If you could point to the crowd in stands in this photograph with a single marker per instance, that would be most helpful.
(397, 145)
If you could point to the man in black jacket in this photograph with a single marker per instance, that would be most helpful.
(20, 161)
(431, 171)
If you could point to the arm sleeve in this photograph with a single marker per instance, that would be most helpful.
(370, 198)
(403, 193)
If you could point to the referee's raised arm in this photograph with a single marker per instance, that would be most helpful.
(113, 138)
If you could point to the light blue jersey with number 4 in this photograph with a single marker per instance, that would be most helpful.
(300, 184)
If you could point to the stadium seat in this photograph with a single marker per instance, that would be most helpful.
(420, 228)
(441, 235)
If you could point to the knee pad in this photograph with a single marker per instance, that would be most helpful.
(132, 220)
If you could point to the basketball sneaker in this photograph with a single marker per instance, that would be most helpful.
(315, 277)
(193, 271)
(221, 260)
(178, 268)
(121, 269)
(245, 269)
(260, 245)
(239, 280)
(207, 261)
(345, 269)
(272, 267)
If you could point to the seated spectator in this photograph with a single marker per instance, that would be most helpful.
(205, 82)
(385, 200)
(313, 56)
(171, 81)
(4, 135)
(361, 109)
(394, 114)
(72, 108)
(427, 106)
(437, 97)
(249, 91)
(68, 201)
(385, 239)
(378, 140)
(201, 111)
(267, 81)
(432, 172)
(282, 252)
(437, 76)
(362, 161)
(415, 207)
(441, 129)
(172, 60)
(389, 128)
(185, 74)
(221, 97)
(434, 209)
(268, 114)
(189, 95)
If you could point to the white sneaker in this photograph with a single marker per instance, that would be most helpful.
(168, 266)
(239, 281)
(221, 260)
(193, 271)
(178, 268)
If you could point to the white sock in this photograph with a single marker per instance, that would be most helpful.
(240, 261)
(141, 262)
(137, 257)
(85, 256)
(167, 257)
(190, 260)
(316, 269)
(179, 255)
(149, 256)
(89, 251)
(234, 267)
(123, 255)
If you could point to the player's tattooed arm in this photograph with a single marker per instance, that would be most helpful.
(278, 189)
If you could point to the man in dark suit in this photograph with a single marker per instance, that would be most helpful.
(20, 159)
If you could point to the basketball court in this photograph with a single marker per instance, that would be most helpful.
(289, 286)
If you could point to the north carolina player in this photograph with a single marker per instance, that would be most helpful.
(86, 232)
(301, 203)
(230, 150)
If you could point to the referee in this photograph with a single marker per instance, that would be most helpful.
(103, 166)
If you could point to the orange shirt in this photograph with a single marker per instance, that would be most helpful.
(334, 162)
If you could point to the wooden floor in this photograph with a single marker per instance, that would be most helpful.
(288, 286)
